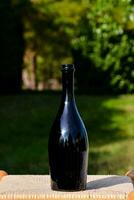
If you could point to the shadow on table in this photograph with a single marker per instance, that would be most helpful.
(107, 182)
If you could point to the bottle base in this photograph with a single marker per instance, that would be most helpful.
(64, 188)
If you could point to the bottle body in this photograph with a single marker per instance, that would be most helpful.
(68, 145)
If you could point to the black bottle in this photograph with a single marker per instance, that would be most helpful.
(68, 141)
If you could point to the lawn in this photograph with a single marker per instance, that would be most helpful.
(25, 121)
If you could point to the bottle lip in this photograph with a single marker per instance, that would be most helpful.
(67, 67)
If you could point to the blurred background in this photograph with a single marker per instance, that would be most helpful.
(36, 37)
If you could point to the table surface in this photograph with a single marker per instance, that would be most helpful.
(33, 187)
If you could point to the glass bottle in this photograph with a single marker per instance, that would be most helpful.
(68, 141)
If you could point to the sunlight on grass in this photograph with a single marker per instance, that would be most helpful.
(25, 121)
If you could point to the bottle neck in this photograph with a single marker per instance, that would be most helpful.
(68, 86)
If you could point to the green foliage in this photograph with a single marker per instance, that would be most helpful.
(45, 36)
(98, 35)
(49, 27)
(106, 37)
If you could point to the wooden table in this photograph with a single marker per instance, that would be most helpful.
(37, 187)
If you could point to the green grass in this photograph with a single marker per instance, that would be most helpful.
(25, 121)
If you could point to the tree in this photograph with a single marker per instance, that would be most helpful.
(49, 28)
(106, 39)
(97, 35)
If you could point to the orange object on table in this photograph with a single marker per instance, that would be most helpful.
(2, 174)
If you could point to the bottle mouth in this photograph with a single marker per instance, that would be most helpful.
(67, 67)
